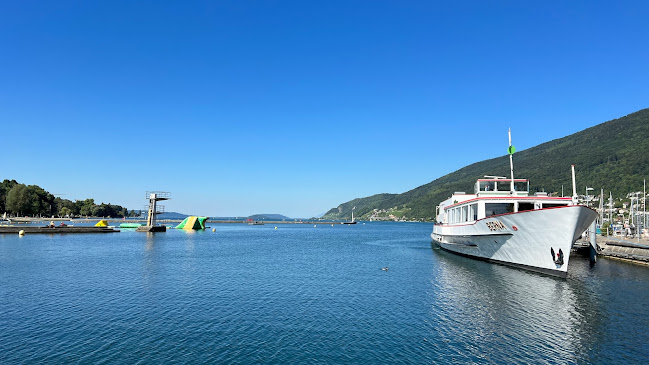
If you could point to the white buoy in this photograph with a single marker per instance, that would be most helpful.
(315, 225)
(21, 232)
(213, 229)
(275, 227)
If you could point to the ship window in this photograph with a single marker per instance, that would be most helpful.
(486, 186)
(498, 208)
(521, 186)
(553, 205)
(503, 185)
(473, 212)
(525, 206)
(465, 213)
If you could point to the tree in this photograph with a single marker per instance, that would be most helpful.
(84, 207)
(71, 210)
(16, 202)
(21, 199)
(5, 186)
(29, 200)
(65, 212)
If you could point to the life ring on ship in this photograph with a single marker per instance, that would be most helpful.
(515, 228)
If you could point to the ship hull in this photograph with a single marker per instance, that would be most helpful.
(525, 239)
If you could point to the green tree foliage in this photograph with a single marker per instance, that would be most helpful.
(85, 206)
(5, 186)
(29, 200)
(610, 156)
(32, 200)
(66, 207)
(108, 210)
(65, 212)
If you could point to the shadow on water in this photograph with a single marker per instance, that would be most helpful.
(498, 313)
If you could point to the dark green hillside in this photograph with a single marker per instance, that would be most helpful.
(612, 155)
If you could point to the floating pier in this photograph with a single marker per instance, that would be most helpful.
(49, 230)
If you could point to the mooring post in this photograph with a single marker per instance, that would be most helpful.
(592, 234)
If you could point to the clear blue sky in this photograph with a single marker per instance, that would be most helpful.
(293, 107)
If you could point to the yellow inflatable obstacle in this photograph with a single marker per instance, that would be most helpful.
(192, 222)
(102, 223)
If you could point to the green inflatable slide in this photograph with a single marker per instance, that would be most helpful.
(192, 222)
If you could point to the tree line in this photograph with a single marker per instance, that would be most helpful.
(19, 200)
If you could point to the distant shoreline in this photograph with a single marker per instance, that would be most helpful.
(162, 221)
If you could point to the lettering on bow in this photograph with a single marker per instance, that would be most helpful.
(496, 226)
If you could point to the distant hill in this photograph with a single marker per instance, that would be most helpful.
(269, 217)
(612, 155)
(169, 215)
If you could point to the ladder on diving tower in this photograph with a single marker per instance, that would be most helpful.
(154, 209)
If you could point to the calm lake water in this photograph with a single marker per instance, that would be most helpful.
(304, 294)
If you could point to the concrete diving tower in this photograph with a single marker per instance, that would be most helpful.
(154, 209)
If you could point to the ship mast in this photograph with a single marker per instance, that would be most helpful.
(511, 151)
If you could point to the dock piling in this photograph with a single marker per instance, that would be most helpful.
(592, 235)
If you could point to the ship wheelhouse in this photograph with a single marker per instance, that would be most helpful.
(493, 196)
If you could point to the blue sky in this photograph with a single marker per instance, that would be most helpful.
(293, 107)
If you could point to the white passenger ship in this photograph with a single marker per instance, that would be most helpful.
(501, 222)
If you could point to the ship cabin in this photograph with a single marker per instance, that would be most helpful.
(493, 196)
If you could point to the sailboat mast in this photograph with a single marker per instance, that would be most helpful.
(511, 150)
(601, 206)
(610, 207)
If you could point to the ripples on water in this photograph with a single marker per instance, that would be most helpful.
(304, 294)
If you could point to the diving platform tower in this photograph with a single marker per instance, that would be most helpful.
(154, 209)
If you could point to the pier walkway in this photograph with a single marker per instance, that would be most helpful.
(47, 230)
(636, 249)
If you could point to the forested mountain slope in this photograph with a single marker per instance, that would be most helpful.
(613, 155)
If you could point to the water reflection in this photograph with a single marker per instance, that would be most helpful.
(505, 310)
(151, 260)
(150, 241)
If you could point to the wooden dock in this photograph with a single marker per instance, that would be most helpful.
(47, 230)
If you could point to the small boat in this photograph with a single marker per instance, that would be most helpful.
(502, 222)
